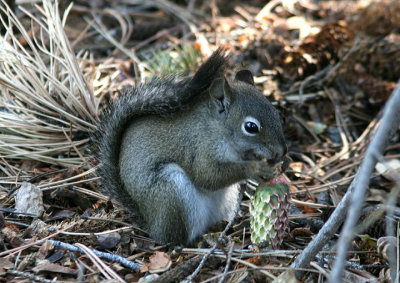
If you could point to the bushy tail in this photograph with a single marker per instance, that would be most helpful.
(157, 97)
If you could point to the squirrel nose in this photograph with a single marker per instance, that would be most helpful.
(278, 157)
(281, 158)
(274, 160)
(284, 159)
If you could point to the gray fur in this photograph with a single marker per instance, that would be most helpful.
(174, 151)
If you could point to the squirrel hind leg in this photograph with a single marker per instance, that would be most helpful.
(200, 209)
(167, 226)
(163, 213)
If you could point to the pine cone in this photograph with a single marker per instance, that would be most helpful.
(269, 211)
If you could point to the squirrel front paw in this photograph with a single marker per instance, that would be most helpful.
(261, 171)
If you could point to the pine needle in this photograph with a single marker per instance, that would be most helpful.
(44, 94)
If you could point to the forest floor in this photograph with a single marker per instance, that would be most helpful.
(328, 66)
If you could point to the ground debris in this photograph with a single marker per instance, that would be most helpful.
(328, 66)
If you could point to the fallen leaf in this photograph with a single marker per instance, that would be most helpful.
(159, 262)
(109, 241)
(256, 260)
(384, 243)
(29, 199)
(44, 250)
(298, 232)
(4, 265)
(12, 237)
(390, 169)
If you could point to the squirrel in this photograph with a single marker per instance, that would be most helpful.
(174, 150)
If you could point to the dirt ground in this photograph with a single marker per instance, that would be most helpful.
(329, 67)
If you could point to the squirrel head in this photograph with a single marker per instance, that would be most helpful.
(252, 123)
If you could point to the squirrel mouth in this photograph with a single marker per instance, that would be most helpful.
(276, 171)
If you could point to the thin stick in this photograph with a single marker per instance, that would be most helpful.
(337, 217)
(389, 124)
(391, 231)
(9, 166)
(32, 277)
(228, 263)
(75, 148)
(109, 256)
(21, 248)
(104, 269)
(245, 263)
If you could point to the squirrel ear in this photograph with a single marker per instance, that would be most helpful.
(221, 95)
(245, 76)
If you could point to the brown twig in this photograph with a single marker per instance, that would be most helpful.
(389, 123)
(21, 248)
(32, 277)
(228, 262)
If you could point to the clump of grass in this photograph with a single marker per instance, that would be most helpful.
(47, 107)
(175, 61)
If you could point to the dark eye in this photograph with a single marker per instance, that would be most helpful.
(251, 126)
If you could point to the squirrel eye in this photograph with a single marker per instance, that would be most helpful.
(251, 126)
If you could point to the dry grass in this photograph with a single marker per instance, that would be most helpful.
(50, 96)
(47, 105)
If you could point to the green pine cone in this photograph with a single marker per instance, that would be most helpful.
(269, 211)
